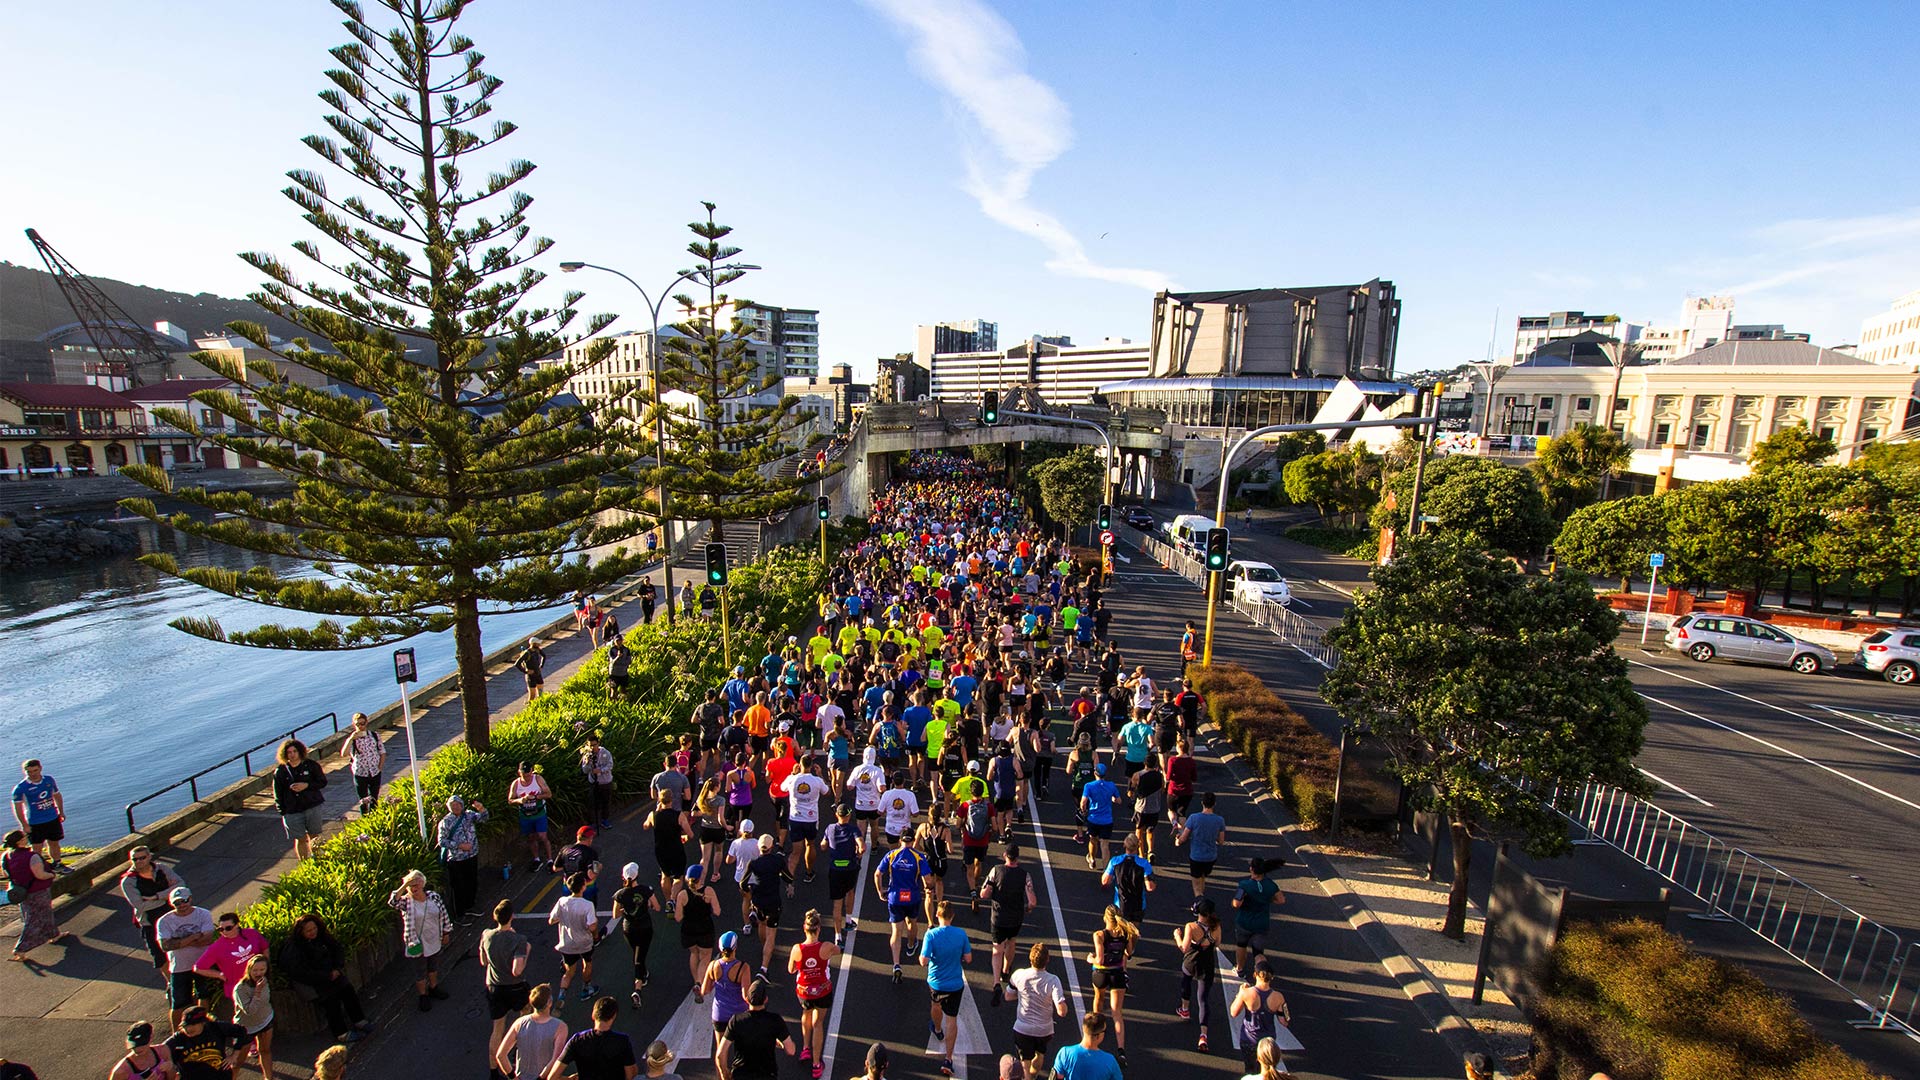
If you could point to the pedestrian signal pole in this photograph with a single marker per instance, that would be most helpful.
(823, 511)
(717, 578)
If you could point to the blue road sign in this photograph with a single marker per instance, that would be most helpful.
(1656, 559)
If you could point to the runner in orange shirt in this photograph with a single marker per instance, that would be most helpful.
(759, 723)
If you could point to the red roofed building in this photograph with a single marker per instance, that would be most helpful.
(60, 428)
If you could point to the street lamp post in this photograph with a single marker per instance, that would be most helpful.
(1220, 504)
(1107, 467)
(659, 411)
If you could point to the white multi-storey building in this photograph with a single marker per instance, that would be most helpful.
(1063, 374)
(1893, 336)
(968, 336)
(1532, 331)
(1704, 321)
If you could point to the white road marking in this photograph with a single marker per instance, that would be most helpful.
(1778, 709)
(690, 1033)
(1670, 784)
(832, 1037)
(1776, 746)
(970, 1039)
(1059, 919)
(1875, 723)
(1230, 984)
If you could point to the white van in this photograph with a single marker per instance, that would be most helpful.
(1189, 531)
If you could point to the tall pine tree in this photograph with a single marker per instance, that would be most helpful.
(723, 449)
(443, 484)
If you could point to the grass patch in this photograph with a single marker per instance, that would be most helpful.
(1355, 543)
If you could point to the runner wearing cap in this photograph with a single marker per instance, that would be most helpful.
(740, 854)
(900, 879)
(1096, 802)
(727, 979)
(630, 912)
(845, 846)
(695, 907)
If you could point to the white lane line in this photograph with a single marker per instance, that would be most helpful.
(1670, 784)
(1873, 723)
(690, 1033)
(1777, 747)
(971, 1038)
(1059, 919)
(1778, 709)
(832, 1037)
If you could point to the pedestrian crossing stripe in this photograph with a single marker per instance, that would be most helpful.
(1283, 1036)
(690, 1033)
(970, 1039)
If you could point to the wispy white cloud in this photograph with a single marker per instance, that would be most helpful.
(1020, 125)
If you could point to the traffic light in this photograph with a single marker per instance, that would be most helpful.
(990, 408)
(1216, 549)
(1106, 516)
(823, 507)
(716, 564)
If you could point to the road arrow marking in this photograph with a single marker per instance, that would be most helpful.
(1230, 984)
(690, 1033)
(831, 1039)
(970, 1039)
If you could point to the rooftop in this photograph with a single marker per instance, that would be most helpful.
(1248, 296)
(1768, 354)
(175, 389)
(64, 396)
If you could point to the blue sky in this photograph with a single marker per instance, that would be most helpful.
(1045, 165)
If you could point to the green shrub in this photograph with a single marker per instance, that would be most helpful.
(1298, 763)
(1634, 1001)
(1355, 543)
(350, 876)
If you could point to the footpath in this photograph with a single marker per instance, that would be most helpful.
(65, 1012)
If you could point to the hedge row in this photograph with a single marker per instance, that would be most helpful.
(1356, 543)
(349, 877)
(1632, 1000)
(1298, 762)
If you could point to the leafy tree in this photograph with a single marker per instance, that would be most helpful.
(1884, 456)
(1721, 533)
(1614, 538)
(1488, 688)
(721, 449)
(1497, 507)
(1791, 446)
(1571, 467)
(1335, 481)
(449, 483)
(1071, 486)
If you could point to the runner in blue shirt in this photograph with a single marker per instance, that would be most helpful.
(963, 688)
(736, 690)
(901, 880)
(945, 952)
(1085, 1060)
(917, 716)
(1096, 801)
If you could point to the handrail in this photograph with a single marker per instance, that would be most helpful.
(245, 757)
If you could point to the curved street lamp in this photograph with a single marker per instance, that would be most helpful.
(659, 415)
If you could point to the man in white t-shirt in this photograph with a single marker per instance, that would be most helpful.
(184, 932)
(579, 927)
(1041, 1000)
(803, 832)
(868, 780)
(898, 805)
(828, 715)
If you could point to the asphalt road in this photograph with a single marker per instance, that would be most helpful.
(1352, 1018)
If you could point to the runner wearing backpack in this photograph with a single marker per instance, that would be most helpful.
(976, 833)
(1009, 891)
(1131, 878)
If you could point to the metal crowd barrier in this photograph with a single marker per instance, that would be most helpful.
(1853, 952)
(245, 757)
(1288, 626)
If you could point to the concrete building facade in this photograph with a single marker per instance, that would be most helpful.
(1532, 331)
(968, 336)
(1331, 331)
(1060, 374)
(1893, 336)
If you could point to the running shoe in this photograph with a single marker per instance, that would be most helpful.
(1203, 1040)
(806, 1053)
(589, 992)
(933, 1030)
(1183, 1012)
(946, 1066)
(818, 1071)
(635, 998)
(1120, 1055)
(994, 998)
(896, 975)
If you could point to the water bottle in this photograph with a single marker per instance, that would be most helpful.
(506, 871)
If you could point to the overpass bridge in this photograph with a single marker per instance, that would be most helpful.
(938, 425)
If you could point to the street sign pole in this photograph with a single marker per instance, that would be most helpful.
(1655, 560)
(404, 672)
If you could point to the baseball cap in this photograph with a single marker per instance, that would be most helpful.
(728, 940)
(631, 871)
(695, 871)
(746, 826)
(586, 832)
(1100, 768)
(195, 1014)
(179, 893)
(757, 994)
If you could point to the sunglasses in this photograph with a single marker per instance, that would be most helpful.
(224, 927)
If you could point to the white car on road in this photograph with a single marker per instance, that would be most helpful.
(1258, 583)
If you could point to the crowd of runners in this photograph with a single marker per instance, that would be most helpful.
(961, 670)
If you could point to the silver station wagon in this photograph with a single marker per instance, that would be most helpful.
(1731, 637)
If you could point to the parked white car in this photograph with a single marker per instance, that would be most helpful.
(1258, 583)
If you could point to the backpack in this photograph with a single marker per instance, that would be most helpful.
(1130, 880)
(575, 859)
(889, 739)
(979, 819)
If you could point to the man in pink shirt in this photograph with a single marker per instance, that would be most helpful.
(233, 946)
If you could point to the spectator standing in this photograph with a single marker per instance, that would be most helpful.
(579, 927)
(27, 872)
(533, 664)
(619, 662)
(233, 948)
(459, 840)
(504, 953)
(145, 884)
(298, 793)
(533, 1041)
(42, 811)
(528, 794)
(185, 932)
(312, 959)
(424, 930)
(366, 758)
(596, 762)
(647, 600)
(253, 1009)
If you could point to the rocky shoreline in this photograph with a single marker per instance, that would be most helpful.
(31, 541)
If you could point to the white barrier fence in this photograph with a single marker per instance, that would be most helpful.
(1302, 634)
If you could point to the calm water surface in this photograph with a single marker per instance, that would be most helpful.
(117, 703)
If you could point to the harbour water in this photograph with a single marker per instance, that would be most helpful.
(116, 703)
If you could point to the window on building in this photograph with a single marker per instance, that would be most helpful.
(1662, 433)
(1702, 436)
(1868, 434)
(1829, 433)
(1583, 404)
(1547, 402)
(1543, 427)
(1742, 440)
